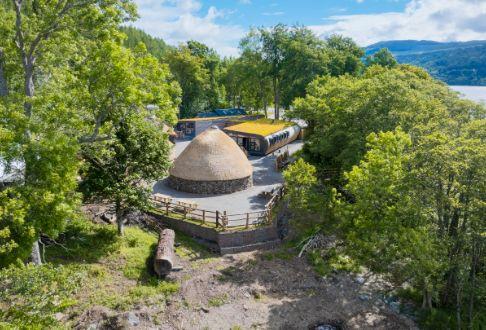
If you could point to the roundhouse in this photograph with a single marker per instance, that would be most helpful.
(211, 164)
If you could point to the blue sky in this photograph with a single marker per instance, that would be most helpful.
(222, 23)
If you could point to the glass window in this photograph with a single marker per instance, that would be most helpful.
(254, 144)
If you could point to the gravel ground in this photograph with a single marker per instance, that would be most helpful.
(265, 178)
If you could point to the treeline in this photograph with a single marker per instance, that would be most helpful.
(274, 68)
(393, 165)
(455, 63)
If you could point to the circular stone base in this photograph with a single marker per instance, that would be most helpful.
(210, 187)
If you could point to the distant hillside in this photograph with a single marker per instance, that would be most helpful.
(155, 46)
(456, 63)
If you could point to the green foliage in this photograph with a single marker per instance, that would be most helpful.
(382, 57)
(300, 178)
(155, 46)
(31, 295)
(342, 111)
(405, 157)
(42, 45)
(198, 71)
(15, 237)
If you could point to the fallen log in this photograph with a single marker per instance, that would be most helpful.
(164, 257)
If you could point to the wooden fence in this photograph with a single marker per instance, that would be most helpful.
(219, 219)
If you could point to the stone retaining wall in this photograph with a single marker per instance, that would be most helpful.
(225, 242)
(210, 187)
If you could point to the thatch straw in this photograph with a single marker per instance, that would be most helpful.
(212, 156)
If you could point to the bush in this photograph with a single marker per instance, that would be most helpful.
(31, 295)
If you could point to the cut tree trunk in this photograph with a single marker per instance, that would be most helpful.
(164, 257)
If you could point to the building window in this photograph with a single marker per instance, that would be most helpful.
(254, 145)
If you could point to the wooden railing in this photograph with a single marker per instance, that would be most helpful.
(190, 212)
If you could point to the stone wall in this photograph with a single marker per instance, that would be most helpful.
(210, 187)
(225, 242)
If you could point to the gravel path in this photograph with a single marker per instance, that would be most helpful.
(265, 178)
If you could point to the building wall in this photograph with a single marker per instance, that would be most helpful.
(210, 187)
(271, 142)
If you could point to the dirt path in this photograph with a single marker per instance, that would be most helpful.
(259, 290)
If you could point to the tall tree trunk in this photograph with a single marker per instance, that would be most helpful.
(265, 108)
(35, 255)
(119, 218)
(276, 98)
(3, 77)
(29, 86)
(476, 252)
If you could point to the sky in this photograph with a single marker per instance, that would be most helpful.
(222, 23)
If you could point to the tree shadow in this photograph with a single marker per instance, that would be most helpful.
(81, 242)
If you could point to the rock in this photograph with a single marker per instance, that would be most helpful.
(325, 327)
(92, 326)
(108, 217)
(395, 306)
(133, 319)
(360, 280)
(364, 297)
(59, 316)
(205, 310)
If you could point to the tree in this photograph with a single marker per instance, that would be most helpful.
(344, 56)
(193, 77)
(410, 200)
(155, 46)
(215, 93)
(135, 149)
(342, 111)
(34, 34)
(385, 227)
(271, 45)
(382, 57)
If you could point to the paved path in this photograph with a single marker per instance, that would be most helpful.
(265, 177)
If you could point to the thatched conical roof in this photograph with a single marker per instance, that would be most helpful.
(212, 156)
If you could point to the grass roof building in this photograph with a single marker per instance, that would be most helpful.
(263, 136)
(192, 127)
(211, 164)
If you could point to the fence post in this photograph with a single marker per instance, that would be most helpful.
(204, 217)
(247, 220)
(185, 212)
(224, 220)
(217, 219)
(267, 216)
(167, 209)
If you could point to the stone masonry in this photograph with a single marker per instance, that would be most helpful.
(210, 187)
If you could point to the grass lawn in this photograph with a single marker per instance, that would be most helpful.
(89, 265)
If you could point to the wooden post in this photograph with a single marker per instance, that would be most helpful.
(247, 220)
(185, 212)
(225, 220)
(204, 217)
(166, 208)
(267, 216)
(164, 256)
(217, 219)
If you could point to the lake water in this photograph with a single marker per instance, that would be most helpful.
(474, 93)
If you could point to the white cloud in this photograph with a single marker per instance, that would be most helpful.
(440, 20)
(177, 21)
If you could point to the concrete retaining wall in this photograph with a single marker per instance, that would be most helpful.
(228, 241)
